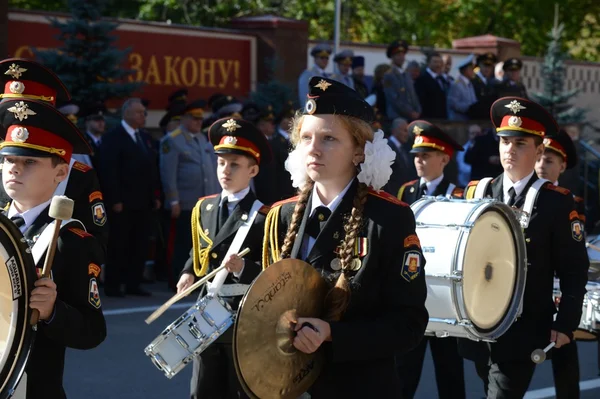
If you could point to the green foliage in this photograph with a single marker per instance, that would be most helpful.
(88, 63)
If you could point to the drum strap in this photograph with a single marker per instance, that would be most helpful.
(234, 248)
(530, 200)
(482, 187)
(43, 241)
(450, 190)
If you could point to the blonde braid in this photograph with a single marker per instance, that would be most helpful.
(338, 297)
(294, 226)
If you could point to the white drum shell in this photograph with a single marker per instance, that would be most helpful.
(590, 312)
(190, 334)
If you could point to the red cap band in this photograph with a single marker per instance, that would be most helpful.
(39, 139)
(525, 125)
(239, 143)
(431, 142)
(29, 89)
(555, 145)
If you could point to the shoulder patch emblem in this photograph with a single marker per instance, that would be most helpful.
(285, 201)
(576, 230)
(411, 265)
(99, 214)
(94, 269)
(79, 232)
(412, 240)
(96, 195)
(387, 197)
(81, 166)
(94, 294)
(559, 189)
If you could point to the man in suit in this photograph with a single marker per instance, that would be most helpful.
(433, 149)
(26, 79)
(320, 54)
(343, 63)
(554, 244)
(95, 125)
(129, 176)
(432, 89)
(36, 154)
(187, 171)
(447, 59)
(484, 83)
(462, 97)
(403, 168)
(400, 96)
(512, 85)
(241, 151)
(483, 156)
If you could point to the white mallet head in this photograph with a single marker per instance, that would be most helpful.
(61, 207)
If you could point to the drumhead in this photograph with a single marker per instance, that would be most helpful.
(16, 282)
(492, 270)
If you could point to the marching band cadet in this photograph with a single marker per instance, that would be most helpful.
(560, 154)
(433, 149)
(554, 244)
(349, 232)
(240, 149)
(37, 149)
(26, 79)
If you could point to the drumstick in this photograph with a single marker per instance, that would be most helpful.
(587, 244)
(158, 312)
(61, 208)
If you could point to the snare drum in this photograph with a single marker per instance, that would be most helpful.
(190, 334)
(589, 326)
(476, 266)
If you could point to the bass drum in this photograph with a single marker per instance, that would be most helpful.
(475, 266)
(17, 275)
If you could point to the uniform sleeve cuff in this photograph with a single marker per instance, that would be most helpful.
(51, 316)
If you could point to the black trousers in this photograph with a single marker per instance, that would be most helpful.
(127, 248)
(565, 367)
(449, 368)
(182, 245)
(506, 380)
(214, 374)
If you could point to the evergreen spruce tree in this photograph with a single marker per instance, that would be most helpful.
(88, 62)
(554, 72)
(274, 92)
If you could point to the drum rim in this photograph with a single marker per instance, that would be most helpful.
(21, 353)
(514, 308)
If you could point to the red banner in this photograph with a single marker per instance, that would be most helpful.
(164, 57)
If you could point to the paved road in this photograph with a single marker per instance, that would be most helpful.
(120, 369)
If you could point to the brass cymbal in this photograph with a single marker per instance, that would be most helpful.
(267, 364)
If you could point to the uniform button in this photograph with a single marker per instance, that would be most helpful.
(214, 255)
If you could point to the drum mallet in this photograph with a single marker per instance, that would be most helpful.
(158, 312)
(539, 355)
(61, 208)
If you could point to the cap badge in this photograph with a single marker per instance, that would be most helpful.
(547, 142)
(419, 140)
(310, 107)
(230, 140)
(417, 130)
(515, 121)
(16, 87)
(231, 125)
(21, 110)
(515, 106)
(19, 135)
(15, 71)
(323, 85)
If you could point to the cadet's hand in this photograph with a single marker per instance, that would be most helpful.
(560, 338)
(175, 211)
(233, 263)
(118, 207)
(308, 340)
(43, 297)
(185, 281)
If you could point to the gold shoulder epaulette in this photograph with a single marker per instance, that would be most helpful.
(81, 166)
(403, 187)
(469, 192)
(175, 133)
(387, 197)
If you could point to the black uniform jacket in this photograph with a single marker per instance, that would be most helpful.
(410, 192)
(221, 241)
(507, 88)
(555, 246)
(78, 321)
(386, 315)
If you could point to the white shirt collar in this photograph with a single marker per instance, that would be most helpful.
(482, 77)
(433, 74)
(395, 141)
(29, 215)
(464, 79)
(519, 186)
(234, 197)
(431, 185)
(285, 134)
(131, 131)
(316, 200)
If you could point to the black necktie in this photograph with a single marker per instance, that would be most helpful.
(223, 213)
(317, 221)
(511, 196)
(18, 221)
(441, 81)
(140, 143)
(423, 189)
